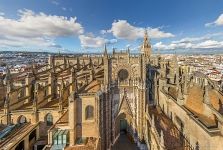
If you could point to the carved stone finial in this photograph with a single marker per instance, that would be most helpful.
(105, 51)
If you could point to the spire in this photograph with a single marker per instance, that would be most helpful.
(98, 63)
(78, 63)
(179, 87)
(146, 47)
(8, 75)
(35, 96)
(146, 39)
(59, 52)
(113, 50)
(65, 62)
(180, 95)
(206, 95)
(91, 65)
(128, 50)
(176, 69)
(34, 69)
(53, 68)
(175, 60)
(36, 87)
(73, 70)
(105, 51)
(8, 80)
(62, 86)
(68, 63)
(72, 79)
(185, 84)
(83, 64)
(92, 74)
(145, 35)
(6, 101)
(155, 87)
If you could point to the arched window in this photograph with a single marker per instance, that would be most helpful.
(22, 119)
(89, 112)
(49, 120)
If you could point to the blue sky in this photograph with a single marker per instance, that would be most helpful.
(185, 26)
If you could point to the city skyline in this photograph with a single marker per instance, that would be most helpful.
(83, 26)
(111, 75)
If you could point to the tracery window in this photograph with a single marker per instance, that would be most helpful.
(123, 74)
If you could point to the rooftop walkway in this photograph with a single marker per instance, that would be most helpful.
(123, 143)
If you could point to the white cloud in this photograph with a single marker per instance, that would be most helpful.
(191, 39)
(161, 46)
(36, 29)
(28, 42)
(103, 31)
(55, 2)
(121, 29)
(91, 41)
(206, 44)
(209, 44)
(203, 42)
(218, 22)
(156, 33)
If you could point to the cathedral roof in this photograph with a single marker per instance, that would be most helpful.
(64, 119)
(195, 104)
(51, 104)
(216, 99)
(195, 99)
(93, 87)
